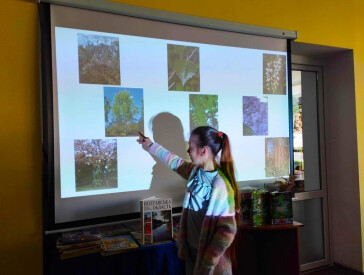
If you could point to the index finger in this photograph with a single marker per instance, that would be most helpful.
(143, 136)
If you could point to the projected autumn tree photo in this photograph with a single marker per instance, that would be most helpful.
(274, 74)
(203, 111)
(95, 164)
(276, 157)
(98, 58)
(124, 111)
(183, 68)
(255, 116)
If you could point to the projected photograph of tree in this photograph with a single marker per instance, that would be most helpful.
(124, 111)
(98, 58)
(96, 164)
(276, 157)
(183, 68)
(255, 116)
(203, 111)
(274, 74)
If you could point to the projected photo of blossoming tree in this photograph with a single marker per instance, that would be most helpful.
(95, 164)
(255, 116)
(183, 68)
(276, 157)
(124, 111)
(274, 74)
(98, 59)
(203, 111)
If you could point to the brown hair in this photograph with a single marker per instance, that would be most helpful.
(216, 141)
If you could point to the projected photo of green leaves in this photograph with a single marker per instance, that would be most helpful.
(183, 68)
(274, 74)
(276, 157)
(95, 164)
(98, 58)
(124, 111)
(255, 116)
(203, 111)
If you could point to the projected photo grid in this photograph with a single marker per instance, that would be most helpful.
(117, 84)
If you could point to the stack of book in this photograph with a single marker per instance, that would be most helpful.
(156, 225)
(78, 243)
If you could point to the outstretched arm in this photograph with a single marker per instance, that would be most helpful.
(174, 162)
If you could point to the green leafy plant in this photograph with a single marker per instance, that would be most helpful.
(124, 112)
(183, 68)
(123, 109)
(286, 184)
(203, 111)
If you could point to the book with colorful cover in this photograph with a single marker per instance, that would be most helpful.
(246, 208)
(116, 244)
(281, 207)
(80, 236)
(138, 237)
(67, 254)
(74, 246)
(156, 217)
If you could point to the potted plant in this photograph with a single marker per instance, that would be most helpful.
(286, 184)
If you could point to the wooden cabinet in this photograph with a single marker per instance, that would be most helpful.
(269, 249)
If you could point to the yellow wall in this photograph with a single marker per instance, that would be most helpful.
(326, 22)
(20, 140)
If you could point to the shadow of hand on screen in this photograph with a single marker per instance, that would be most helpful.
(168, 132)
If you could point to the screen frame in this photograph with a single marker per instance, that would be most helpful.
(48, 168)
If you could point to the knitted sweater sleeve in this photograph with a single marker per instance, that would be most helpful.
(218, 231)
(174, 162)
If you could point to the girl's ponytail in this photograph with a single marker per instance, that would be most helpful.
(227, 164)
(227, 167)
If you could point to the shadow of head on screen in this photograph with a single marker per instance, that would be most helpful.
(168, 132)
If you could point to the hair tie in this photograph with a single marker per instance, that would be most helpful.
(220, 134)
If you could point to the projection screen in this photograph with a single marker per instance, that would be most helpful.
(115, 75)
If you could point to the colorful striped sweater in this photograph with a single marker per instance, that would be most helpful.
(218, 227)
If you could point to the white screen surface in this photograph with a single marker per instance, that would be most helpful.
(168, 73)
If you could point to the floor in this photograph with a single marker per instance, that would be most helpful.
(333, 270)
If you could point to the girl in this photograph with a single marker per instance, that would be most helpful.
(210, 209)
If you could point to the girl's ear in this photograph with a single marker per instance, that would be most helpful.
(204, 151)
